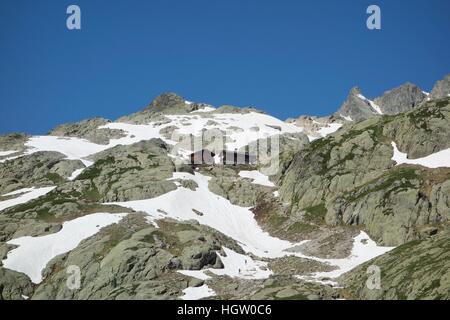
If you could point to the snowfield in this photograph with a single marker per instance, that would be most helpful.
(241, 130)
(26, 195)
(257, 178)
(239, 224)
(364, 249)
(72, 148)
(33, 253)
(435, 160)
(217, 212)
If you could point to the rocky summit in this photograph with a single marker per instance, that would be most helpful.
(185, 200)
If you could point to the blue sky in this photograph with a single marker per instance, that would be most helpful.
(285, 57)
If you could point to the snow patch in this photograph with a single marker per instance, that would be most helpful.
(28, 194)
(72, 148)
(205, 109)
(236, 265)
(76, 173)
(329, 129)
(34, 253)
(6, 153)
(435, 160)
(372, 104)
(196, 293)
(199, 274)
(257, 178)
(348, 118)
(364, 249)
(9, 158)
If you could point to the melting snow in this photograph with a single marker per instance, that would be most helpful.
(75, 174)
(217, 212)
(240, 129)
(28, 194)
(372, 104)
(257, 177)
(72, 148)
(205, 109)
(9, 158)
(34, 253)
(364, 249)
(235, 265)
(348, 118)
(6, 153)
(242, 266)
(329, 129)
(239, 224)
(197, 293)
(435, 160)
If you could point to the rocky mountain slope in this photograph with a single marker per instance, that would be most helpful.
(106, 209)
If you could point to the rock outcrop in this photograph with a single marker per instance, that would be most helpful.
(89, 130)
(441, 89)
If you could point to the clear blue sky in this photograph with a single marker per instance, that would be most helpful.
(285, 57)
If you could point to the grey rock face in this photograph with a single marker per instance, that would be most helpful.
(394, 208)
(239, 191)
(38, 169)
(441, 89)
(422, 131)
(355, 107)
(13, 142)
(333, 165)
(14, 285)
(135, 172)
(89, 130)
(401, 99)
(352, 175)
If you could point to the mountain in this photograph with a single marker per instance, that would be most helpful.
(122, 209)
(401, 99)
(357, 107)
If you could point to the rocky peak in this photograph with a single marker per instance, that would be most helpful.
(400, 99)
(165, 101)
(441, 89)
(356, 107)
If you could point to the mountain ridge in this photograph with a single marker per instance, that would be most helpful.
(344, 189)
